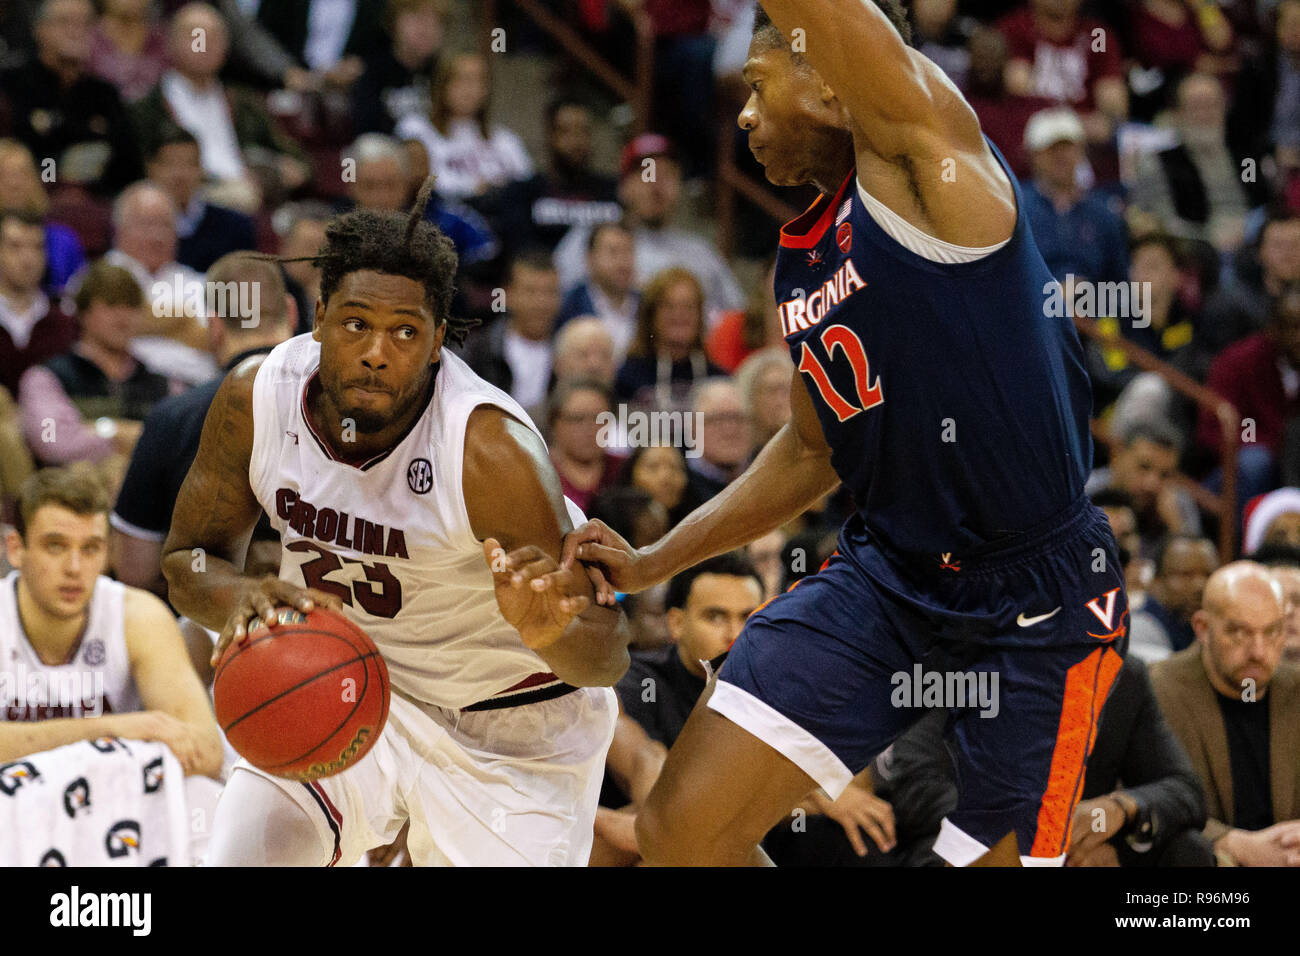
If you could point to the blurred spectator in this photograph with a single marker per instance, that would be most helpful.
(467, 153)
(172, 337)
(237, 137)
(1118, 508)
(1260, 376)
(765, 552)
(667, 356)
(302, 235)
(1055, 53)
(764, 381)
(21, 190)
(575, 430)
(170, 437)
(380, 182)
(1196, 188)
(204, 230)
(725, 441)
(60, 111)
(659, 470)
(642, 521)
(16, 41)
(1233, 703)
(1163, 624)
(1265, 113)
(395, 82)
(584, 349)
(514, 352)
(16, 462)
(650, 189)
(540, 210)
(87, 404)
(1272, 519)
(740, 334)
(609, 292)
(32, 328)
(1171, 39)
(1003, 115)
(128, 47)
(1239, 307)
(1145, 468)
(1284, 561)
(330, 37)
(1075, 230)
(940, 33)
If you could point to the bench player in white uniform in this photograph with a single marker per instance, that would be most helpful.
(396, 477)
(82, 656)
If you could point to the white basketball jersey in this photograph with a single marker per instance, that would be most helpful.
(95, 680)
(391, 537)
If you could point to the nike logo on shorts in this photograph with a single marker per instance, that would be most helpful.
(1031, 621)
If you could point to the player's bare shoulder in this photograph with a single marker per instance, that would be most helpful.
(506, 468)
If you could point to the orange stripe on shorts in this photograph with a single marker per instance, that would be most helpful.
(1086, 685)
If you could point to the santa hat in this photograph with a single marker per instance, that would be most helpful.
(1262, 510)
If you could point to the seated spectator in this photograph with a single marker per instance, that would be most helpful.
(650, 190)
(1162, 625)
(1076, 231)
(540, 210)
(576, 438)
(332, 39)
(1239, 307)
(766, 553)
(1272, 519)
(1172, 39)
(172, 338)
(764, 381)
(1284, 561)
(205, 231)
(941, 34)
(21, 191)
(382, 175)
(58, 609)
(1145, 468)
(740, 334)
(128, 47)
(467, 154)
(725, 443)
(61, 111)
(32, 328)
(514, 352)
(659, 470)
(1118, 508)
(584, 349)
(1052, 53)
(301, 228)
(609, 291)
(170, 436)
(87, 404)
(1196, 188)
(1003, 115)
(1233, 703)
(1265, 113)
(395, 81)
(667, 357)
(1260, 376)
(237, 137)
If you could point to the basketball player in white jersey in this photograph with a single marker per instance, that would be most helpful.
(419, 501)
(82, 656)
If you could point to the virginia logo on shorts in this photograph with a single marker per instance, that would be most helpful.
(419, 476)
(1107, 616)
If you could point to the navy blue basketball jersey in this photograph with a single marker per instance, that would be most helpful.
(956, 408)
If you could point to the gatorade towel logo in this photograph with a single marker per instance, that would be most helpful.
(14, 775)
(122, 838)
(153, 775)
(76, 797)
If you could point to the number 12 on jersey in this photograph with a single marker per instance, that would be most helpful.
(843, 338)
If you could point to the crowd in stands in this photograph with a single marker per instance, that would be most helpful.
(145, 144)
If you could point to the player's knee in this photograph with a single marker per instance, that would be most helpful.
(668, 838)
(258, 824)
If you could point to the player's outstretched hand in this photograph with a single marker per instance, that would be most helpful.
(258, 598)
(534, 593)
(600, 547)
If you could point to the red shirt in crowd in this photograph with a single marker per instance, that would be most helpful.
(1248, 374)
(1064, 71)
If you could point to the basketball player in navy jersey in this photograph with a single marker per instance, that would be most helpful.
(938, 388)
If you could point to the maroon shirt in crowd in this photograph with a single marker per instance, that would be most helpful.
(51, 336)
(1248, 374)
(1063, 71)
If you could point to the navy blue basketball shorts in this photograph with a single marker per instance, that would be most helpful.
(1020, 645)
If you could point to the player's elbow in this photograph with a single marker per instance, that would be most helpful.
(211, 753)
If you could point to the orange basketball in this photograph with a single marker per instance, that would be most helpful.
(304, 699)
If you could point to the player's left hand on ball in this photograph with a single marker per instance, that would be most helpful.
(534, 593)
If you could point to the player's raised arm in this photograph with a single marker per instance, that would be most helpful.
(791, 472)
(515, 506)
(215, 513)
(897, 98)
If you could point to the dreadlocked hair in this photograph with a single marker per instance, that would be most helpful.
(394, 244)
